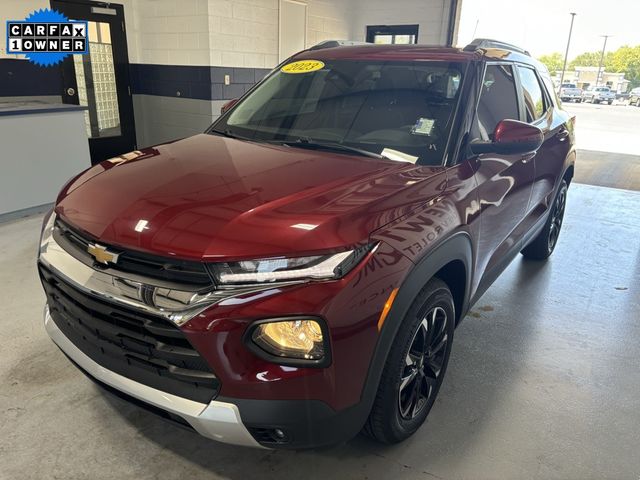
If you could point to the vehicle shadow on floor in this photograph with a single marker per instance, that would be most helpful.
(489, 351)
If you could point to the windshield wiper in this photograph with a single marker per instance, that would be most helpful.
(306, 142)
(229, 134)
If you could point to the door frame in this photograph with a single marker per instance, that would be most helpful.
(126, 141)
(306, 24)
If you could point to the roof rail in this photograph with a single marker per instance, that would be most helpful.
(336, 43)
(478, 43)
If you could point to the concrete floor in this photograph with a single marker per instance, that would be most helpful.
(544, 381)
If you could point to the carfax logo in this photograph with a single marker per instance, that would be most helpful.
(46, 37)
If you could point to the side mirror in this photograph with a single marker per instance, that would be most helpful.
(227, 106)
(511, 137)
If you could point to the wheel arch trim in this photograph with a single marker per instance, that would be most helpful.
(457, 247)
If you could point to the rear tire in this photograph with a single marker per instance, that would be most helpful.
(543, 245)
(415, 367)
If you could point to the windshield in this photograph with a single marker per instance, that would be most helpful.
(400, 110)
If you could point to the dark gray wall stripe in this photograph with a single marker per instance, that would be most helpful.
(203, 83)
(21, 78)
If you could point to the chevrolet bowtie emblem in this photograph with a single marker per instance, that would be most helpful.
(101, 254)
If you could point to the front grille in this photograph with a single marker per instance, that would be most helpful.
(172, 270)
(142, 347)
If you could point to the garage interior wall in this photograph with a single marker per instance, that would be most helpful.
(432, 17)
(191, 46)
(181, 52)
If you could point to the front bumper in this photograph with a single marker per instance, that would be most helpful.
(217, 420)
(306, 423)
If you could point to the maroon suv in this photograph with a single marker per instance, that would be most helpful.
(295, 274)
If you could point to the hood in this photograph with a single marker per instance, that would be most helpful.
(211, 197)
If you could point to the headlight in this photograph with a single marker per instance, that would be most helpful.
(47, 229)
(319, 267)
(293, 341)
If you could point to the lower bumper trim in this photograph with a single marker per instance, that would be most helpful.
(219, 421)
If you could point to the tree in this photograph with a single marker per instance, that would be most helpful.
(589, 59)
(553, 62)
(627, 59)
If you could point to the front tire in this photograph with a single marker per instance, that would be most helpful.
(543, 245)
(415, 367)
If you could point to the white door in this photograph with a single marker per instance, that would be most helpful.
(293, 27)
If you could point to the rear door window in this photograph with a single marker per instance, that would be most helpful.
(498, 101)
(534, 100)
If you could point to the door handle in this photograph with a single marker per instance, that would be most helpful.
(563, 134)
(71, 92)
(527, 158)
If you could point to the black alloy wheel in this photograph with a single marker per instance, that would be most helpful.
(415, 365)
(423, 364)
(557, 216)
(543, 245)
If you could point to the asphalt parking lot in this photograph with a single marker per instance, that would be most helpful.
(608, 142)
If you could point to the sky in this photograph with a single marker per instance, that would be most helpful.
(542, 26)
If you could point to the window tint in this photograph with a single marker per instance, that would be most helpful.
(498, 101)
(533, 97)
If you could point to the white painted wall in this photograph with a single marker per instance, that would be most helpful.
(329, 20)
(228, 33)
(167, 32)
(432, 16)
(15, 10)
(244, 33)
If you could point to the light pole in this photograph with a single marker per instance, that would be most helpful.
(604, 47)
(566, 53)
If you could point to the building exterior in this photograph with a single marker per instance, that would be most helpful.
(585, 77)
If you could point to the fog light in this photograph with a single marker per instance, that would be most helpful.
(299, 339)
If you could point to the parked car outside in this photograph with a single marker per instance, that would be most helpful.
(598, 95)
(634, 97)
(295, 274)
(569, 92)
